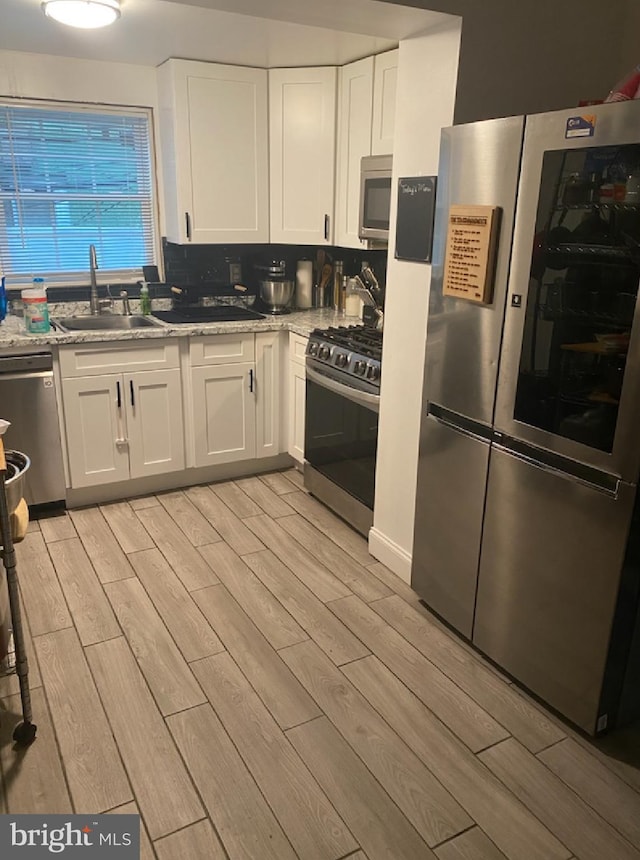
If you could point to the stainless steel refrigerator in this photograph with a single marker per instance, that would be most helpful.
(527, 533)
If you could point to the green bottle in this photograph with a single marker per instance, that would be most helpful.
(145, 299)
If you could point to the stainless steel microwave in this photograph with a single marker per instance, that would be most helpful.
(375, 198)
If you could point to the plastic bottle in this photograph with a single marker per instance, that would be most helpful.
(145, 299)
(3, 298)
(36, 310)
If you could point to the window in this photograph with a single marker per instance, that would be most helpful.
(71, 177)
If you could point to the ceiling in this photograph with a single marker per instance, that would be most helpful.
(267, 34)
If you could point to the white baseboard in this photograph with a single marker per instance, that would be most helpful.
(390, 554)
(174, 480)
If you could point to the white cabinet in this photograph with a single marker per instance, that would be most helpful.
(384, 102)
(366, 116)
(297, 395)
(224, 413)
(302, 138)
(122, 420)
(267, 390)
(355, 112)
(235, 396)
(95, 430)
(214, 135)
(155, 427)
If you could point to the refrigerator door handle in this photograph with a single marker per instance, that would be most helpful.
(569, 470)
(459, 423)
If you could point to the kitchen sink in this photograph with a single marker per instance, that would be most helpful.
(113, 322)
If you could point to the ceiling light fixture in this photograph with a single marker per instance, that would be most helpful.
(87, 14)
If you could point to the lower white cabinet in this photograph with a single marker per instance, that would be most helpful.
(297, 395)
(235, 394)
(224, 412)
(267, 388)
(123, 425)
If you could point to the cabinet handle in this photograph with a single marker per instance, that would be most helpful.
(327, 224)
(251, 380)
(118, 397)
(187, 219)
(133, 397)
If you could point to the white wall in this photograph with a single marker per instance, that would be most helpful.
(42, 76)
(427, 74)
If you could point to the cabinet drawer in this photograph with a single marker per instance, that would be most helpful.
(96, 359)
(222, 349)
(297, 347)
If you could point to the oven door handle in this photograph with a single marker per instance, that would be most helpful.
(362, 398)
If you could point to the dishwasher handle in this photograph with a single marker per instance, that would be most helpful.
(20, 366)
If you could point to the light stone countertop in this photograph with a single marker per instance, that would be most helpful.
(13, 334)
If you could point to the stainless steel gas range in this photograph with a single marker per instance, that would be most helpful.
(341, 430)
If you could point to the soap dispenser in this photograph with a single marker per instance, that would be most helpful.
(145, 299)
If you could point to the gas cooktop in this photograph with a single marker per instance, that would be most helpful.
(213, 313)
(348, 353)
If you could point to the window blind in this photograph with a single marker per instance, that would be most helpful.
(69, 178)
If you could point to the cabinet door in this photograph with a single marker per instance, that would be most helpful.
(224, 413)
(384, 102)
(154, 422)
(302, 120)
(267, 391)
(355, 106)
(297, 398)
(96, 430)
(214, 130)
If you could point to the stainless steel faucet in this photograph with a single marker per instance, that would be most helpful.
(126, 307)
(94, 304)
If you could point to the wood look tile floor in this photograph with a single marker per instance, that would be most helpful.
(231, 663)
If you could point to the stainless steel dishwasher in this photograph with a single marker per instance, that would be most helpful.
(28, 401)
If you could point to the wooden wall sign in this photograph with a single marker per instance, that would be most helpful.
(472, 242)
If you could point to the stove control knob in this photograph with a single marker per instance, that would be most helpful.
(373, 372)
(313, 348)
(341, 359)
(324, 352)
(360, 367)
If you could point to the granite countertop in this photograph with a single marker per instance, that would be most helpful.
(12, 332)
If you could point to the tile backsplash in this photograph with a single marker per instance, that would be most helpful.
(212, 268)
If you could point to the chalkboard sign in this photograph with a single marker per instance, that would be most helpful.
(414, 224)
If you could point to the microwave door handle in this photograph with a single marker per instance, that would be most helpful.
(362, 398)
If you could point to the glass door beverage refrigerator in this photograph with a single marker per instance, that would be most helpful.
(527, 535)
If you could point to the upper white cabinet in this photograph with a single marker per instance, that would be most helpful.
(366, 115)
(384, 102)
(302, 122)
(214, 135)
(355, 112)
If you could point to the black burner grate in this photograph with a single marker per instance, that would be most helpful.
(366, 341)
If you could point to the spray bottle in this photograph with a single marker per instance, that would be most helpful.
(3, 297)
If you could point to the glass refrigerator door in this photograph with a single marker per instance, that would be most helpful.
(585, 268)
